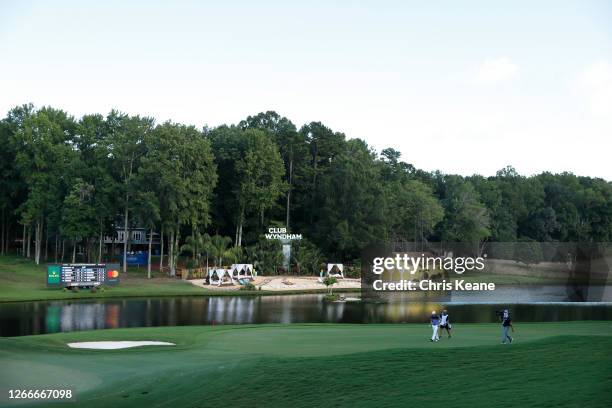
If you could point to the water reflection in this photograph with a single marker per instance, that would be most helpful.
(61, 316)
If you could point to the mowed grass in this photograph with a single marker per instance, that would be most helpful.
(21, 279)
(510, 280)
(549, 365)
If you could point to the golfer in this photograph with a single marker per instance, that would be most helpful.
(435, 322)
(506, 325)
(445, 323)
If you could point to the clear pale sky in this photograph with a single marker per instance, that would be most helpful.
(464, 87)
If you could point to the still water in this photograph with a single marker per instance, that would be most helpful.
(25, 318)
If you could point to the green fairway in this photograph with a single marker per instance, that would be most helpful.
(551, 364)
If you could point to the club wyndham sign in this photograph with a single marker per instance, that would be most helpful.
(281, 233)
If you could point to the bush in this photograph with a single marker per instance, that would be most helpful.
(528, 251)
(331, 298)
(500, 250)
(266, 256)
(353, 271)
(329, 282)
(305, 256)
(248, 286)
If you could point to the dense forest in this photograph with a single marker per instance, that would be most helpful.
(214, 191)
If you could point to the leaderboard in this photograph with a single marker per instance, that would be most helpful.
(85, 275)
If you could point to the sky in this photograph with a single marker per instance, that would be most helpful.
(462, 87)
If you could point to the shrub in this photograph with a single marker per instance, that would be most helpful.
(305, 256)
(248, 286)
(353, 271)
(331, 297)
(329, 282)
(528, 252)
(191, 264)
(266, 256)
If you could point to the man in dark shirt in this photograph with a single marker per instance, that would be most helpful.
(445, 323)
(506, 325)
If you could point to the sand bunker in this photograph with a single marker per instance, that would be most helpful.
(113, 345)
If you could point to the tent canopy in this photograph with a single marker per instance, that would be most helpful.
(331, 266)
(216, 276)
(220, 273)
(335, 270)
(241, 271)
(245, 268)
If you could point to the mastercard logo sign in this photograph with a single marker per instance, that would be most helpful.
(112, 274)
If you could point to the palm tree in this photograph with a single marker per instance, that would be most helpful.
(305, 256)
(197, 244)
(220, 249)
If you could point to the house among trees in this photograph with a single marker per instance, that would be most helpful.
(138, 241)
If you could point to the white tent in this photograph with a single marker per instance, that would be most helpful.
(241, 271)
(335, 270)
(216, 276)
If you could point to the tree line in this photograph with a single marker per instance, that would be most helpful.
(68, 182)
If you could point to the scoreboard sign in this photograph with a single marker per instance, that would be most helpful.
(82, 275)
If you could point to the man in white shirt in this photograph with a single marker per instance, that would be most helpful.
(435, 322)
(445, 323)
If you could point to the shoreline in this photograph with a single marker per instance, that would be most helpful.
(283, 283)
(207, 291)
(213, 293)
(22, 281)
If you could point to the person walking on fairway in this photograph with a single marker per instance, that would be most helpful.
(506, 325)
(445, 323)
(435, 322)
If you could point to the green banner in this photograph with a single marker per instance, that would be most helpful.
(53, 274)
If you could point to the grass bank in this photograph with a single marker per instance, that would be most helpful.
(22, 280)
(549, 365)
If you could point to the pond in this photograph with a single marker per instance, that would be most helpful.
(26, 318)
